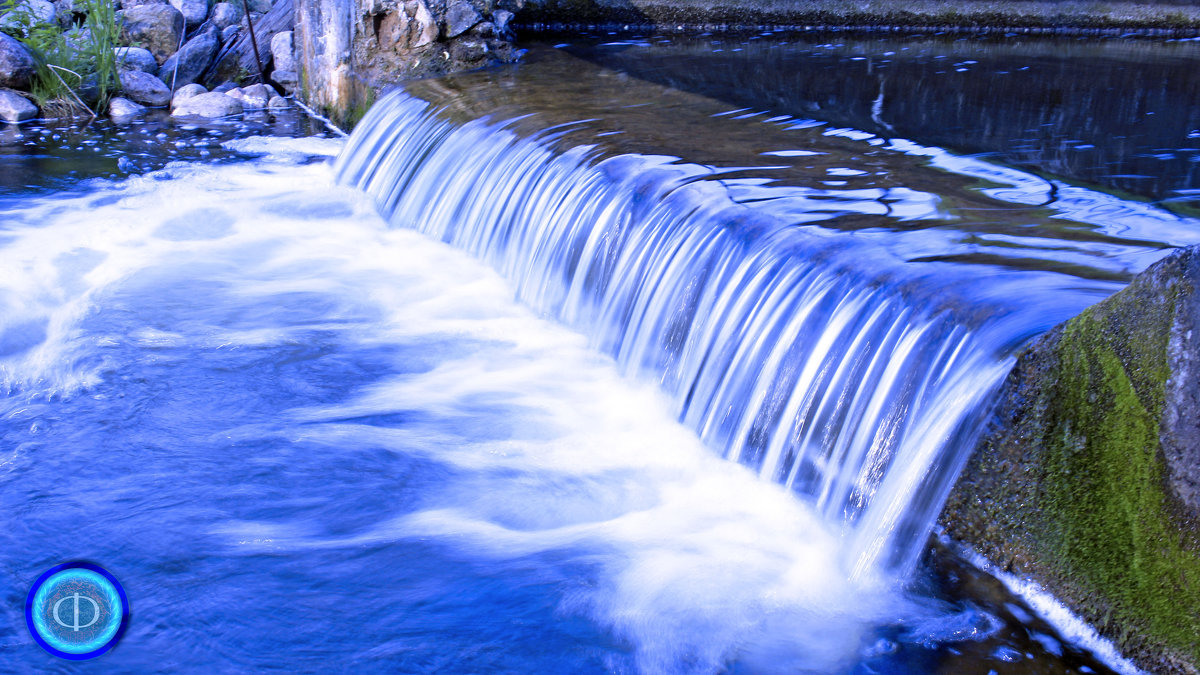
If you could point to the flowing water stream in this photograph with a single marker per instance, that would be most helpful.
(567, 367)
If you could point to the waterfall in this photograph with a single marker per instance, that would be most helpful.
(856, 381)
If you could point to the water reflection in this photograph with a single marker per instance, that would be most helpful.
(1118, 113)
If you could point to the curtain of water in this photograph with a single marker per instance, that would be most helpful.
(814, 362)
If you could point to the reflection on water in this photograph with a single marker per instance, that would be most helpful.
(1120, 114)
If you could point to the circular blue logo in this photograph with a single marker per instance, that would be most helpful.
(77, 610)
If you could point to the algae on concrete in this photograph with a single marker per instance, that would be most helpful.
(1071, 484)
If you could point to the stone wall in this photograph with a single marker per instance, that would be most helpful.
(1088, 478)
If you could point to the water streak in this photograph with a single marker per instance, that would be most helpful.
(787, 350)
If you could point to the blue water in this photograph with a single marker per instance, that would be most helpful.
(309, 439)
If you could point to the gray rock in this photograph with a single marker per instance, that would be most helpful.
(185, 92)
(17, 66)
(289, 80)
(136, 58)
(256, 96)
(123, 107)
(283, 52)
(226, 86)
(126, 4)
(212, 104)
(29, 12)
(157, 28)
(190, 62)
(229, 33)
(260, 6)
(65, 11)
(501, 18)
(226, 14)
(460, 18)
(15, 107)
(513, 6)
(194, 11)
(278, 103)
(145, 88)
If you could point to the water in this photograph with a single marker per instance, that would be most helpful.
(680, 398)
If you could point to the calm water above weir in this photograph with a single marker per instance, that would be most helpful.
(684, 393)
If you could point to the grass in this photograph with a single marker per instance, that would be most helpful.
(69, 62)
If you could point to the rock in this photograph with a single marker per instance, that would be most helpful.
(136, 58)
(289, 80)
(461, 16)
(157, 28)
(17, 66)
(260, 6)
(256, 96)
(229, 33)
(30, 12)
(15, 107)
(212, 104)
(65, 11)
(278, 103)
(194, 11)
(1088, 477)
(468, 51)
(409, 26)
(226, 86)
(283, 53)
(126, 4)
(190, 62)
(513, 6)
(145, 88)
(185, 92)
(501, 18)
(226, 14)
(123, 107)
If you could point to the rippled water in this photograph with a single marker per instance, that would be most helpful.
(305, 440)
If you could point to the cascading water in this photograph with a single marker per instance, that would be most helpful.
(819, 365)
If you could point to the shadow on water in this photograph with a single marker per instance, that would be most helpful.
(1120, 114)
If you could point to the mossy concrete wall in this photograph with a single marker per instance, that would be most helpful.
(1159, 15)
(1087, 477)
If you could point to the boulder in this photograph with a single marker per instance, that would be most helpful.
(17, 66)
(29, 12)
(136, 58)
(260, 6)
(126, 4)
(15, 107)
(278, 103)
(256, 96)
(212, 104)
(229, 33)
(194, 11)
(461, 16)
(226, 14)
(145, 88)
(501, 19)
(157, 28)
(283, 53)
(185, 92)
(123, 107)
(189, 63)
(288, 80)
(1087, 479)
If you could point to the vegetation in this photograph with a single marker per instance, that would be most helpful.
(75, 67)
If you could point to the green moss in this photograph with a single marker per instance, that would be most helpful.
(1110, 521)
